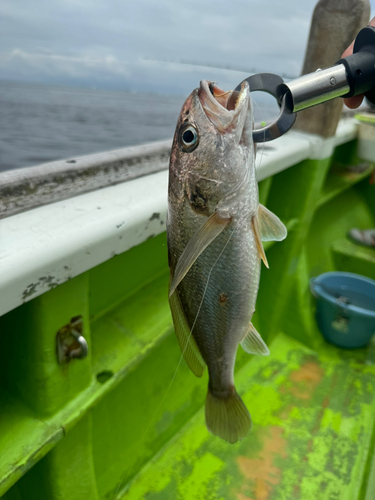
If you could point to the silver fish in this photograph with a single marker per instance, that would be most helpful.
(215, 228)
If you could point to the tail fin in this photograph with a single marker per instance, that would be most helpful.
(227, 417)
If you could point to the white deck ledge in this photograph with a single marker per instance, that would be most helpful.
(46, 246)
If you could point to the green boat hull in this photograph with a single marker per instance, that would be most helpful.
(126, 421)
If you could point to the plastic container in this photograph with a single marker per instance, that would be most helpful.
(345, 310)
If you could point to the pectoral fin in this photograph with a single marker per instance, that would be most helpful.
(253, 343)
(258, 239)
(270, 226)
(199, 241)
(187, 342)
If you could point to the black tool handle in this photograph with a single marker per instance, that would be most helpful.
(360, 67)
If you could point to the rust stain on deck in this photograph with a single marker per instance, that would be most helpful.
(305, 379)
(262, 473)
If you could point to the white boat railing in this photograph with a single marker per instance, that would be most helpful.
(25, 188)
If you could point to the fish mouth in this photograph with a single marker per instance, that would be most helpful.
(226, 110)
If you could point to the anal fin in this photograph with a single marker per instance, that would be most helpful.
(253, 342)
(186, 340)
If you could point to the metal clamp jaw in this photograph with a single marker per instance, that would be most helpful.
(271, 84)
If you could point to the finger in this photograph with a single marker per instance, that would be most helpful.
(354, 102)
(349, 50)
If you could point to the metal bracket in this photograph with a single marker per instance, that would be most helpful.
(70, 343)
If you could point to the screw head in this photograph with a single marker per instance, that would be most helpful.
(332, 80)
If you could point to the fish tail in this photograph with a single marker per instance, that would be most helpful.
(227, 415)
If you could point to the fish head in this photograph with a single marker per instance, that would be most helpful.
(212, 144)
(229, 112)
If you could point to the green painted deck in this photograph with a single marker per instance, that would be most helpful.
(313, 415)
(107, 424)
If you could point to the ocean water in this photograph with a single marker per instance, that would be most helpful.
(40, 123)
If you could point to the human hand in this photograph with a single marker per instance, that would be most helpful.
(355, 101)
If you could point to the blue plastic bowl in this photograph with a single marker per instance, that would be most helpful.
(345, 310)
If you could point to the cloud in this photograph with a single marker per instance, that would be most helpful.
(49, 63)
(116, 43)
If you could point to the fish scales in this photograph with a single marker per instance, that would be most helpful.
(228, 303)
(214, 228)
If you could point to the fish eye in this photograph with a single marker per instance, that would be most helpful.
(188, 138)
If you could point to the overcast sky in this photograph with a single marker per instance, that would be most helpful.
(129, 45)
